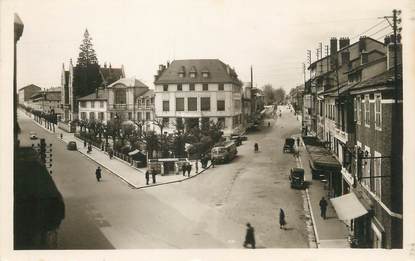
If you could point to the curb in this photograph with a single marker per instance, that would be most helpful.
(312, 218)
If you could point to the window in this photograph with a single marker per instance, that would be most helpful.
(179, 104)
(179, 87)
(130, 115)
(92, 115)
(166, 106)
(139, 116)
(148, 116)
(192, 104)
(205, 87)
(165, 88)
(378, 111)
(83, 115)
(205, 103)
(366, 165)
(205, 123)
(166, 122)
(191, 87)
(358, 109)
(192, 75)
(367, 111)
(220, 87)
(120, 96)
(221, 122)
(100, 116)
(92, 104)
(83, 104)
(101, 104)
(377, 173)
(237, 105)
(111, 115)
(205, 74)
(220, 105)
(181, 74)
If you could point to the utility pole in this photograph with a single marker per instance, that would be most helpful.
(252, 78)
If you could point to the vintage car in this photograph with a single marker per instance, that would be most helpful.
(289, 145)
(297, 178)
(71, 145)
(33, 135)
(238, 139)
(224, 152)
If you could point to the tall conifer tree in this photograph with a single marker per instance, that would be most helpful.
(87, 77)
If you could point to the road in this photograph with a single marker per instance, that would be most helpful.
(209, 211)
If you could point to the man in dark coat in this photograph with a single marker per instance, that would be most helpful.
(323, 207)
(184, 168)
(84, 143)
(189, 169)
(147, 177)
(250, 236)
(98, 174)
(282, 219)
(153, 175)
(298, 142)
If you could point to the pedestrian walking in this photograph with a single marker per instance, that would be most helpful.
(61, 136)
(256, 147)
(147, 174)
(197, 167)
(98, 173)
(269, 124)
(250, 236)
(184, 168)
(84, 144)
(189, 169)
(110, 153)
(89, 148)
(212, 162)
(323, 207)
(282, 219)
(298, 142)
(153, 175)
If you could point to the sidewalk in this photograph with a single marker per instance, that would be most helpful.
(329, 232)
(133, 176)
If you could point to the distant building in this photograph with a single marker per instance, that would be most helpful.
(69, 102)
(26, 92)
(145, 110)
(191, 93)
(47, 101)
(94, 106)
(122, 98)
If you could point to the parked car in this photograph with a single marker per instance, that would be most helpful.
(224, 152)
(71, 145)
(297, 178)
(289, 145)
(33, 135)
(238, 139)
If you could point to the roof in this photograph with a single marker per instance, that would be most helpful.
(129, 82)
(31, 86)
(148, 93)
(386, 79)
(102, 96)
(54, 89)
(110, 75)
(219, 72)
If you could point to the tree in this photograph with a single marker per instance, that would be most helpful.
(279, 95)
(268, 94)
(87, 77)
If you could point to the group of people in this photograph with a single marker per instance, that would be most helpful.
(186, 167)
(204, 159)
(153, 176)
(250, 232)
(89, 146)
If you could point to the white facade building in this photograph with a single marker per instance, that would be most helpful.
(94, 106)
(191, 92)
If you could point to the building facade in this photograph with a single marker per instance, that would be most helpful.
(145, 110)
(26, 92)
(122, 98)
(193, 92)
(47, 101)
(94, 106)
(68, 95)
(358, 118)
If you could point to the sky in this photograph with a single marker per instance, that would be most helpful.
(272, 36)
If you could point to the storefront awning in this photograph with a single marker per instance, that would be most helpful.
(348, 207)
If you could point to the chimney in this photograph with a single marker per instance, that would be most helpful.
(161, 67)
(343, 42)
(390, 51)
(333, 53)
(362, 43)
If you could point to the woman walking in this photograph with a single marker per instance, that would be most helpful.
(282, 219)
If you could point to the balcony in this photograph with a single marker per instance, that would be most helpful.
(120, 107)
(340, 134)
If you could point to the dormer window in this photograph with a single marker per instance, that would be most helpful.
(181, 74)
(192, 75)
(205, 74)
